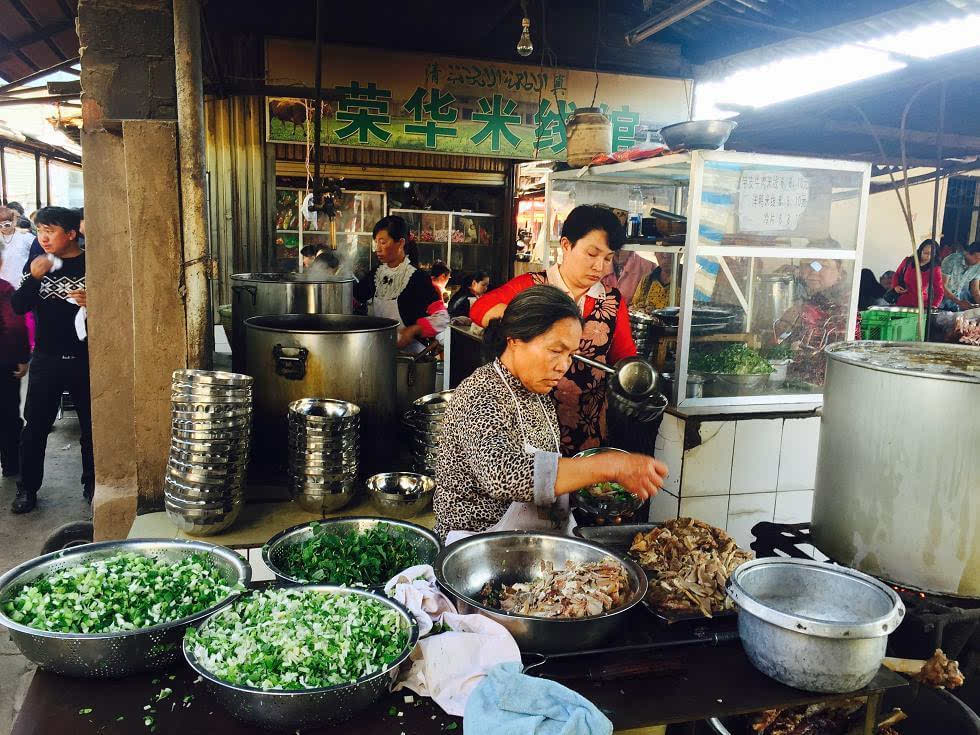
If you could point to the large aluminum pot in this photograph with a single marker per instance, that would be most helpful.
(350, 358)
(896, 486)
(414, 380)
(812, 625)
(259, 294)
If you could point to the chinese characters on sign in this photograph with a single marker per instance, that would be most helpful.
(771, 201)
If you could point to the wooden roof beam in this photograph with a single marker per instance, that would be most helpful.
(7, 48)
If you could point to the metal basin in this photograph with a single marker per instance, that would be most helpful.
(698, 134)
(294, 710)
(400, 494)
(463, 568)
(811, 625)
(108, 655)
(422, 539)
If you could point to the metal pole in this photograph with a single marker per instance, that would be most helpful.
(317, 104)
(193, 192)
(935, 199)
(3, 174)
(37, 179)
(60, 66)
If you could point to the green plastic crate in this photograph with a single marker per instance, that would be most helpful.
(890, 326)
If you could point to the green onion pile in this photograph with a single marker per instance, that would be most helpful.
(122, 592)
(355, 558)
(735, 359)
(299, 639)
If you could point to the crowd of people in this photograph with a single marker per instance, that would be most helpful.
(43, 312)
(950, 277)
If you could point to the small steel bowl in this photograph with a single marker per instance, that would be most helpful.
(432, 403)
(605, 510)
(108, 655)
(464, 567)
(294, 710)
(321, 502)
(321, 411)
(425, 542)
(813, 625)
(400, 494)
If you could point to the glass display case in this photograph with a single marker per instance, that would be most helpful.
(759, 264)
(462, 240)
(357, 212)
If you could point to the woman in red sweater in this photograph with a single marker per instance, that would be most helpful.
(589, 238)
(904, 279)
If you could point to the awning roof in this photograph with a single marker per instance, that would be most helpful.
(35, 35)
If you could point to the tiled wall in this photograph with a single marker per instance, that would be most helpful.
(260, 572)
(743, 472)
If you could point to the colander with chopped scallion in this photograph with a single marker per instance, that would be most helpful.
(123, 592)
(297, 639)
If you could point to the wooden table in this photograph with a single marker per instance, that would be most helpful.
(694, 683)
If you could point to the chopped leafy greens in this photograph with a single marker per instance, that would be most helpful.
(735, 359)
(297, 639)
(122, 592)
(355, 558)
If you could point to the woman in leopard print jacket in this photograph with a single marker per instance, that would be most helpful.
(501, 440)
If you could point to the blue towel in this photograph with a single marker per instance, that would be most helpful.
(508, 702)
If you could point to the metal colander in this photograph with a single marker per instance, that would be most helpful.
(108, 655)
(282, 709)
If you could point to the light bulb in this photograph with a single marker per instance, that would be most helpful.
(407, 184)
(524, 45)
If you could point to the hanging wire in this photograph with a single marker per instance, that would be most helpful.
(595, 60)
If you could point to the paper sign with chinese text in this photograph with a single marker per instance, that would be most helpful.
(771, 201)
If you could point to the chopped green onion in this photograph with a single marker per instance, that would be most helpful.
(123, 592)
(295, 639)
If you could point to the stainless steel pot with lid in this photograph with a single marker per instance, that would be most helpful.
(897, 470)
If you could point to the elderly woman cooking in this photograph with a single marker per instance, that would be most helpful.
(499, 451)
(589, 238)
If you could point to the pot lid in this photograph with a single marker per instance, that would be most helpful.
(919, 359)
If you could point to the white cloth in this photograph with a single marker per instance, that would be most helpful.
(14, 254)
(309, 216)
(390, 282)
(80, 321)
(417, 590)
(596, 291)
(449, 666)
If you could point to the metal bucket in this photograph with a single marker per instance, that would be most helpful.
(350, 358)
(414, 380)
(896, 485)
(775, 293)
(260, 294)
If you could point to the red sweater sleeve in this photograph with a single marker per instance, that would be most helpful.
(502, 295)
(938, 292)
(622, 343)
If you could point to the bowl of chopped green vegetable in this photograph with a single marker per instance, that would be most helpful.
(116, 608)
(360, 551)
(297, 657)
(605, 502)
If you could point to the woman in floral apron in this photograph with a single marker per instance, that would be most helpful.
(589, 238)
(397, 289)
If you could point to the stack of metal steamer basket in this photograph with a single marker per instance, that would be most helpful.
(425, 420)
(210, 435)
(324, 446)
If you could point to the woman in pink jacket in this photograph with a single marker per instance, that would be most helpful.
(904, 279)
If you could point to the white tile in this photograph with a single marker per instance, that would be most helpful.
(712, 509)
(794, 506)
(670, 450)
(708, 467)
(798, 454)
(664, 507)
(755, 465)
(744, 511)
(260, 571)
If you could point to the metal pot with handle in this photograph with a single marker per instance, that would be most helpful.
(415, 376)
(260, 294)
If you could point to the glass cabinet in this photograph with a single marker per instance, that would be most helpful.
(357, 212)
(462, 240)
(758, 262)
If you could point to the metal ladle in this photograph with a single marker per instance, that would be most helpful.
(633, 376)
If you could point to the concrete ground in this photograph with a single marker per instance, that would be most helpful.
(21, 537)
